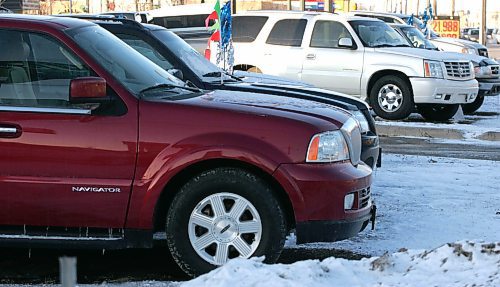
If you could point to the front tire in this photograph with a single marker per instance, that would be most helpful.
(222, 214)
(437, 113)
(391, 98)
(474, 106)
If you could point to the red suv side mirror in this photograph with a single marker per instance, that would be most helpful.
(87, 89)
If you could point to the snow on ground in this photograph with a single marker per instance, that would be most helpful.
(423, 204)
(461, 264)
(487, 118)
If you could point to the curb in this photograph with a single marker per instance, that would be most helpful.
(404, 131)
(430, 132)
(490, 136)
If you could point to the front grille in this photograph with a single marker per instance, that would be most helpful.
(495, 70)
(483, 52)
(458, 70)
(364, 198)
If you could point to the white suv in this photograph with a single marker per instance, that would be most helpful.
(358, 56)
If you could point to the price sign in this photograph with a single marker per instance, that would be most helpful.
(446, 28)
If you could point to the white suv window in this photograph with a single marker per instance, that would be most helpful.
(246, 28)
(287, 32)
(326, 34)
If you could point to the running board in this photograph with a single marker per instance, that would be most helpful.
(128, 239)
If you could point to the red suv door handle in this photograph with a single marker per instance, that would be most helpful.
(9, 131)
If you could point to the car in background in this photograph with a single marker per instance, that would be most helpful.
(495, 36)
(486, 71)
(414, 36)
(187, 21)
(173, 54)
(464, 33)
(445, 44)
(358, 56)
(141, 17)
(473, 35)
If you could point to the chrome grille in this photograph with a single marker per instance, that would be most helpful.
(483, 52)
(458, 70)
(495, 70)
(364, 198)
(352, 132)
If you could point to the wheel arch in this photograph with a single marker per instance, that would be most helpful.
(379, 74)
(173, 186)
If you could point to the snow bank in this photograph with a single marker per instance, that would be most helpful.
(458, 264)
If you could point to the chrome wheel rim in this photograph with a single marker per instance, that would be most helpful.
(390, 98)
(223, 226)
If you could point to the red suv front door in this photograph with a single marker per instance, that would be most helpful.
(62, 164)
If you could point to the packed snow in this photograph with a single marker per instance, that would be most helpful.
(438, 225)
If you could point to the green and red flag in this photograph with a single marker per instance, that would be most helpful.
(215, 15)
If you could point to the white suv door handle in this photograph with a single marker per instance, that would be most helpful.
(311, 56)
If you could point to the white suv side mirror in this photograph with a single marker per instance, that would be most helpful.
(345, 43)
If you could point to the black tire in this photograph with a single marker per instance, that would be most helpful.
(402, 88)
(437, 113)
(474, 106)
(219, 180)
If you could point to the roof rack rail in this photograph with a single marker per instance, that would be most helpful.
(110, 18)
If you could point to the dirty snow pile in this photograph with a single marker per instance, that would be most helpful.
(458, 264)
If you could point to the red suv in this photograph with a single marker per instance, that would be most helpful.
(102, 148)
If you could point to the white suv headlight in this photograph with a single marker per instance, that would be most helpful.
(363, 122)
(328, 147)
(469, 51)
(483, 71)
(433, 69)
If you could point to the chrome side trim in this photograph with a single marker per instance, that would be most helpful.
(8, 130)
(45, 110)
(6, 236)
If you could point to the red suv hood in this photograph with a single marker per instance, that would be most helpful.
(264, 105)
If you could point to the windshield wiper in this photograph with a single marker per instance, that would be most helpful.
(168, 86)
(219, 74)
(213, 74)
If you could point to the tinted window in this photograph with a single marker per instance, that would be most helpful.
(246, 28)
(189, 56)
(377, 34)
(288, 32)
(185, 21)
(416, 38)
(383, 18)
(128, 66)
(326, 34)
(145, 49)
(36, 70)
